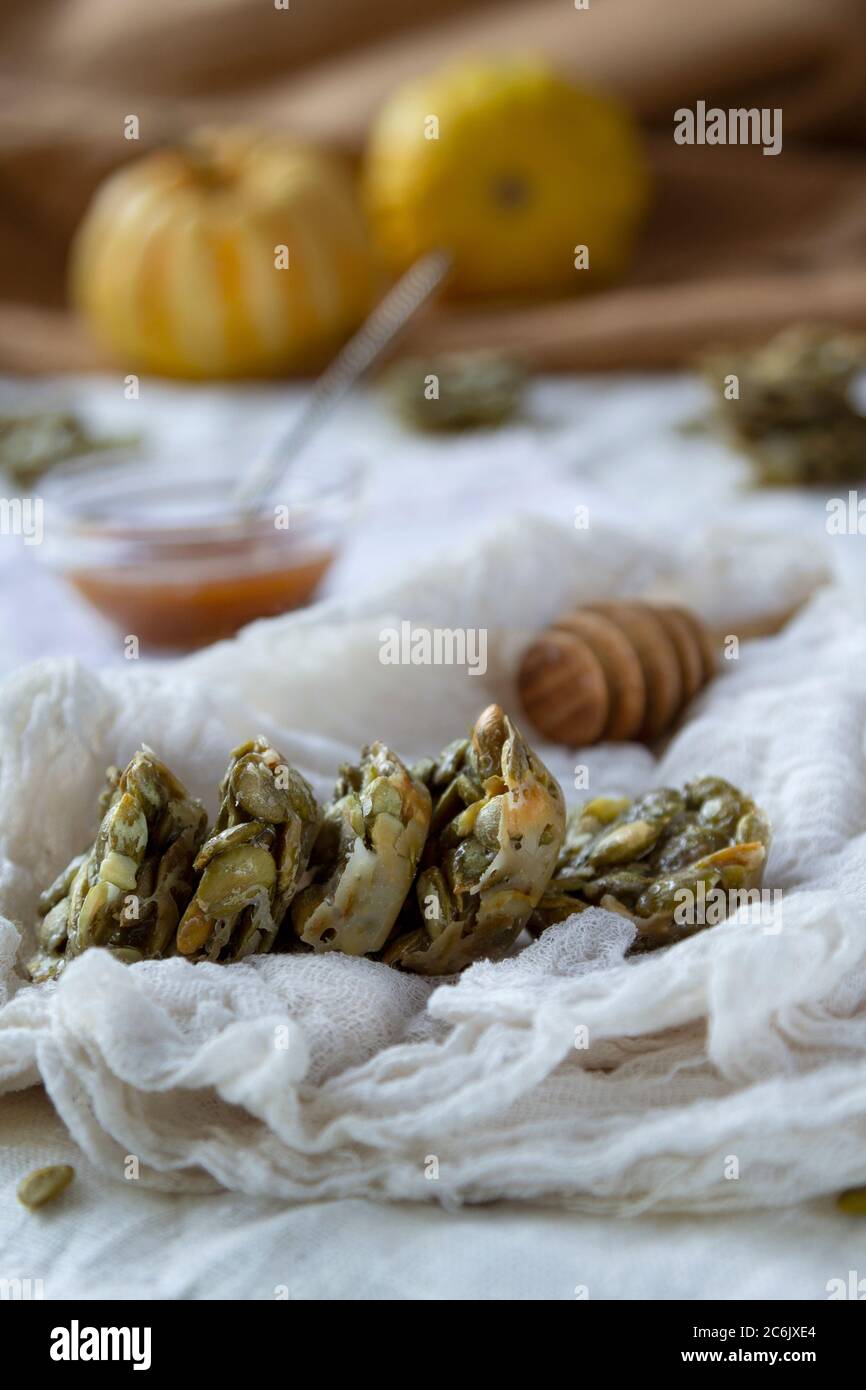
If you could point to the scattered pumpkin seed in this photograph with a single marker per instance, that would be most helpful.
(44, 1185)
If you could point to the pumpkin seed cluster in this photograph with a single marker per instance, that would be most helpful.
(497, 826)
(155, 884)
(637, 857)
(793, 413)
(365, 856)
(474, 390)
(253, 859)
(127, 891)
(428, 868)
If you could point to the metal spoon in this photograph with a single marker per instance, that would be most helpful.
(402, 301)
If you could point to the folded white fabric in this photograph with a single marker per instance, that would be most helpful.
(725, 1071)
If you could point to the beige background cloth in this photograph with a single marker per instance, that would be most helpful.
(736, 243)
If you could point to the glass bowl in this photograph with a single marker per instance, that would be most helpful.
(154, 543)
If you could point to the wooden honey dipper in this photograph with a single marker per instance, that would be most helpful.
(615, 671)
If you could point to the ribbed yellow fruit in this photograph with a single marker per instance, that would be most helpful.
(514, 170)
(241, 255)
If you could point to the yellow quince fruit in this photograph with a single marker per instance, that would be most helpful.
(534, 184)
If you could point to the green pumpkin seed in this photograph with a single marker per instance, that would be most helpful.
(606, 809)
(423, 770)
(661, 896)
(127, 830)
(662, 804)
(52, 931)
(721, 812)
(465, 866)
(355, 812)
(383, 799)
(448, 805)
(705, 788)
(257, 793)
(232, 880)
(691, 843)
(624, 843)
(852, 1201)
(44, 1185)
(268, 809)
(119, 870)
(227, 839)
(450, 762)
(434, 900)
(487, 823)
(127, 955)
(625, 884)
(94, 908)
(751, 828)
(61, 886)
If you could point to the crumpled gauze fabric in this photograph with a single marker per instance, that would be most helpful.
(727, 1071)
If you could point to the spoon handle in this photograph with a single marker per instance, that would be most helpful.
(403, 300)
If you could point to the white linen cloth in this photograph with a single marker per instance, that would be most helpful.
(741, 1044)
(110, 1239)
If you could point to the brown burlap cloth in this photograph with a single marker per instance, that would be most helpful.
(736, 245)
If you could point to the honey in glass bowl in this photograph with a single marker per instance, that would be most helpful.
(156, 546)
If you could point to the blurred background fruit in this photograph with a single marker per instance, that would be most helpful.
(734, 246)
(238, 254)
(511, 168)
